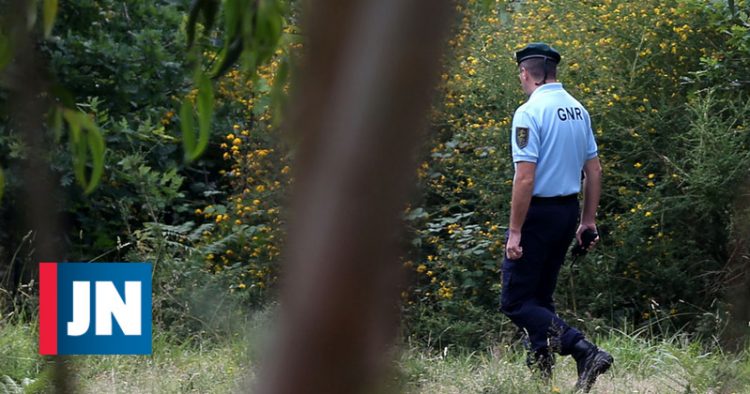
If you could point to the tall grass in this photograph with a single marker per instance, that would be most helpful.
(200, 363)
(642, 365)
(207, 364)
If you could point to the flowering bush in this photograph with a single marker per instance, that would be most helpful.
(248, 227)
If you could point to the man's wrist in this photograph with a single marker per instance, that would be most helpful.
(588, 223)
(514, 230)
(588, 219)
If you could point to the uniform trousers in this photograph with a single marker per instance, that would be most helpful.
(528, 283)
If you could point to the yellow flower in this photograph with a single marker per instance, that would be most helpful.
(421, 268)
(230, 137)
(236, 142)
(638, 165)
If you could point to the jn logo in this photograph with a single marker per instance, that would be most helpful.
(95, 308)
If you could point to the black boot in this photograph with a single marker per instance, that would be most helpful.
(541, 361)
(591, 362)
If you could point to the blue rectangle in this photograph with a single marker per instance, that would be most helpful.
(89, 342)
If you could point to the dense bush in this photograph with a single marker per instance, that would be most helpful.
(122, 65)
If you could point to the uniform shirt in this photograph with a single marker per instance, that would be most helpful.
(553, 130)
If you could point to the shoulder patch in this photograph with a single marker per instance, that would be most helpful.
(522, 137)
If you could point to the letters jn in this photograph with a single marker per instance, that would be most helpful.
(108, 305)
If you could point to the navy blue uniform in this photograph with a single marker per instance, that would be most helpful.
(529, 282)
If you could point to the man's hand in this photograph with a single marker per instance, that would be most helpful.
(513, 249)
(583, 227)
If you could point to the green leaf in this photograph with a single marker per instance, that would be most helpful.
(95, 144)
(81, 145)
(187, 125)
(228, 57)
(278, 98)
(233, 11)
(2, 183)
(205, 112)
(49, 13)
(79, 154)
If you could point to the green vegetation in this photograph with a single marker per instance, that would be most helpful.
(666, 84)
(673, 365)
(210, 365)
(177, 366)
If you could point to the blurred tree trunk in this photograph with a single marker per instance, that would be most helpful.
(358, 111)
(26, 80)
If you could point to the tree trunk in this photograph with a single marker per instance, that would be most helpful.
(26, 79)
(358, 111)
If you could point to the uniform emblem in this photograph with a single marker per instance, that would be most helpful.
(522, 137)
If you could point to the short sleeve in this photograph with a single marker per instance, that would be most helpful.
(524, 138)
(592, 150)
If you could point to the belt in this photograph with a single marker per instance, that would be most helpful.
(554, 200)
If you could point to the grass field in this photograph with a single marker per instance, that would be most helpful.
(641, 366)
(220, 365)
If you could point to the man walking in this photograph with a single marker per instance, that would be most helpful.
(552, 143)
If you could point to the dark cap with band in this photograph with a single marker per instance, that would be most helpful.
(538, 50)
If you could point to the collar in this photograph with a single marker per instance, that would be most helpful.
(547, 87)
